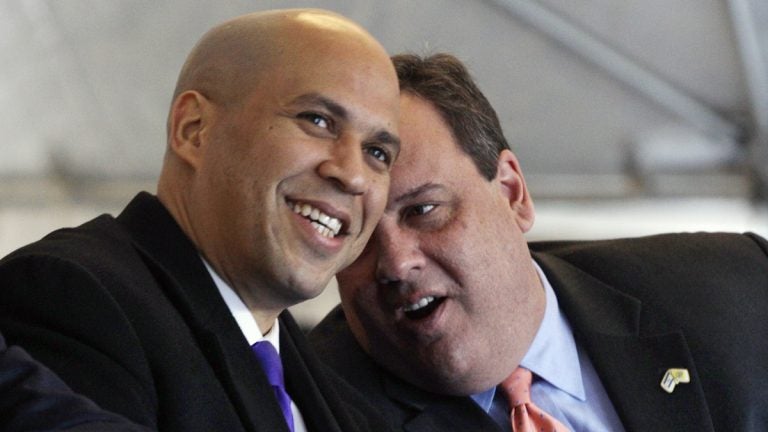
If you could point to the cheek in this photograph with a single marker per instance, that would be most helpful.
(362, 267)
(356, 301)
(376, 201)
(358, 290)
(352, 282)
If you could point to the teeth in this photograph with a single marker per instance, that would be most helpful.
(418, 305)
(306, 210)
(323, 230)
(326, 225)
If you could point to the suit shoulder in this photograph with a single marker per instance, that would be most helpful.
(90, 239)
(332, 338)
(661, 249)
(335, 345)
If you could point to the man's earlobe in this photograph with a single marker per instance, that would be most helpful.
(515, 190)
(186, 125)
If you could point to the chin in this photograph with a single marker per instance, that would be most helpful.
(460, 372)
(442, 382)
(308, 285)
(300, 292)
(309, 293)
(460, 383)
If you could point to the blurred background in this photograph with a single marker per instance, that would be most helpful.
(629, 117)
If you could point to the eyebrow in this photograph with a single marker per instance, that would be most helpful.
(381, 136)
(317, 99)
(418, 190)
(385, 137)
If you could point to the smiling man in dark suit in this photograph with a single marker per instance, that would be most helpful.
(664, 333)
(281, 135)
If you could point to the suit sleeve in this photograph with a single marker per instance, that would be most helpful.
(65, 317)
(32, 397)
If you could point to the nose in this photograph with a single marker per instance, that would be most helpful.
(346, 166)
(400, 257)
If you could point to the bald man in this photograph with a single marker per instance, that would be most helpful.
(281, 135)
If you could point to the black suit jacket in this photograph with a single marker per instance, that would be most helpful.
(33, 398)
(126, 313)
(638, 307)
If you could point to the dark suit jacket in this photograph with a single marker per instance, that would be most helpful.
(638, 307)
(126, 313)
(32, 398)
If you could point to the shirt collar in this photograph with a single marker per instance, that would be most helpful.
(242, 315)
(484, 399)
(553, 356)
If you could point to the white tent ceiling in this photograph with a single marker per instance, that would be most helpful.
(590, 92)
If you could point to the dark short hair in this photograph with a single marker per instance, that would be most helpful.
(445, 82)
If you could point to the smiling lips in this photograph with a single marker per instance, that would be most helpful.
(418, 305)
(422, 308)
(326, 225)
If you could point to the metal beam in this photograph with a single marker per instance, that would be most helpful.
(749, 18)
(623, 69)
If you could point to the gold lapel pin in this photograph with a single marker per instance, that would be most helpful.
(673, 377)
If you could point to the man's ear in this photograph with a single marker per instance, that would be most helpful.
(515, 191)
(189, 116)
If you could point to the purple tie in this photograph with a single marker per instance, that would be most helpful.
(273, 368)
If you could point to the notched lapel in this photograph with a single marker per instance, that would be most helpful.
(178, 267)
(248, 388)
(438, 418)
(631, 369)
(606, 322)
(438, 413)
(304, 381)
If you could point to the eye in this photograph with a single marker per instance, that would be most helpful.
(419, 209)
(428, 216)
(380, 154)
(316, 119)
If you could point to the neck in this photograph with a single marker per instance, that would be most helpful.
(264, 320)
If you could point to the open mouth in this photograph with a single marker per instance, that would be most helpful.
(326, 225)
(423, 308)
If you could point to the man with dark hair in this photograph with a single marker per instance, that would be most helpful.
(281, 135)
(451, 321)
(445, 82)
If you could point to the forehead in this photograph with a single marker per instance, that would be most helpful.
(429, 153)
(355, 76)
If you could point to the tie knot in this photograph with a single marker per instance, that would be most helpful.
(270, 362)
(525, 415)
(517, 386)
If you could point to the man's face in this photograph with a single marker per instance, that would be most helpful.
(295, 177)
(445, 294)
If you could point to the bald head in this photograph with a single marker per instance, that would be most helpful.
(233, 56)
(275, 112)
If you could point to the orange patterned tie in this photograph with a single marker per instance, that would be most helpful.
(527, 417)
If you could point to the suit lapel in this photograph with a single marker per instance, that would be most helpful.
(239, 372)
(630, 364)
(303, 381)
(177, 266)
(437, 413)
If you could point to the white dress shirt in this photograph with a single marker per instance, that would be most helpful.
(251, 330)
